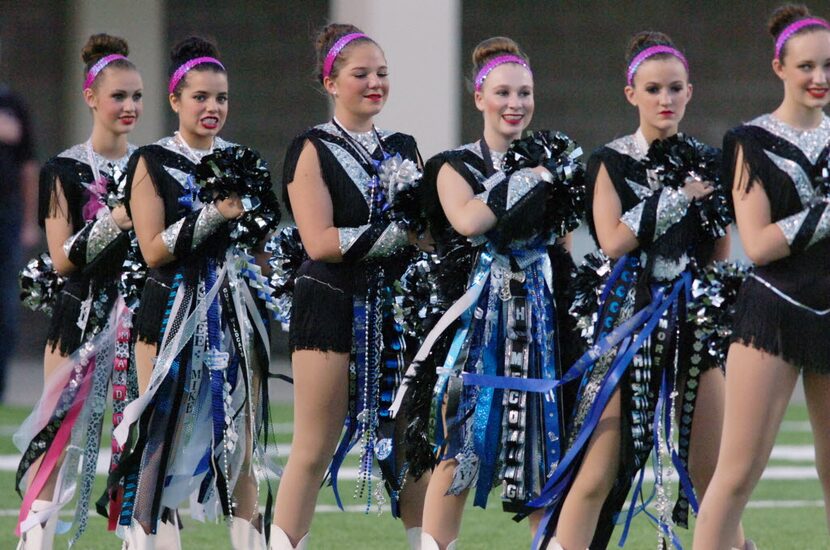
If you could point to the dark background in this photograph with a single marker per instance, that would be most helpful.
(576, 51)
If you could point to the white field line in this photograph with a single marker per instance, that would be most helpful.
(361, 508)
(793, 453)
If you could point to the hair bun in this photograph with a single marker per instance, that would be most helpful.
(643, 40)
(785, 15)
(102, 45)
(191, 48)
(491, 48)
(326, 38)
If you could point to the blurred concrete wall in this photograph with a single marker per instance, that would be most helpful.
(576, 49)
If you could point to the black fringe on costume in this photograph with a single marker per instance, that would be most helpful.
(766, 322)
(63, 170)
(64, 334)
(322, 313)
(151, 310)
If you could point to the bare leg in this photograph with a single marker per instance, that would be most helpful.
(245, 491)
(704, 443)
(414, 491)
(594, 481)
(51, 361)
(758, 389)
(534, 519)
(321, 401)
(442, 512)
(817, 392)
(412, 501)
(145, 355)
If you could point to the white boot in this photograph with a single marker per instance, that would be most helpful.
(280, 541)
(167, 534)
(137, 539)
(41, 536)
(429, 543)
(413, 537)
(553, 545)
(244, 535)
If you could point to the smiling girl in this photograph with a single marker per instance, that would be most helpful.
(201, 354)
(505, 267)
(778, 166)
(87, 232)
(346, 352)
(643, 344)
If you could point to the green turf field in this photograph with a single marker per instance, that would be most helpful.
(784, 514)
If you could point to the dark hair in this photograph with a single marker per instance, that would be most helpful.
(101, 45)
(644, 40)
(489, 49)
(326, 37)
(786, 15)
(191, 48)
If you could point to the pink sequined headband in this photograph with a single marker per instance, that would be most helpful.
(179, 73)
(495, 62)
(651, 52)
(793, 28)
(335, 50)
(99, 66)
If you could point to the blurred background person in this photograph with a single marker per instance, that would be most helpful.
(18, 213)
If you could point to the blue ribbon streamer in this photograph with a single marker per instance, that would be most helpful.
(564, 473)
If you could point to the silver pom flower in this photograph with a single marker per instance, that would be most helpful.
(397, 175)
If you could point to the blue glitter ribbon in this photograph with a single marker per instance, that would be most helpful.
(190, 193)
(562, 477)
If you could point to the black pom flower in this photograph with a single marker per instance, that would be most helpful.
(40, 284)
(287, 255)
(415, 298)
(565, 204)
(712, 308)
(242, 171)
(674, 160)
(587, 283)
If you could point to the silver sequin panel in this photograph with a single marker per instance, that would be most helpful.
(172, 143)
(489, 184)
(642, 191)
(111, 167)
(810, 142)
(206, 223)
(349, 235)
(627, 145)
(359, 176)
(171, 234)
(800, 179)
(633, 217)
(178, 175)
(520, 185)
(671, 207)
(393, 238)
(103, 232)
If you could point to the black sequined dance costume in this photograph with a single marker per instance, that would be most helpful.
(87, 319)
(498, 436)
(784, 307)
(206, 402)
(648, 346)
(347, 307)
